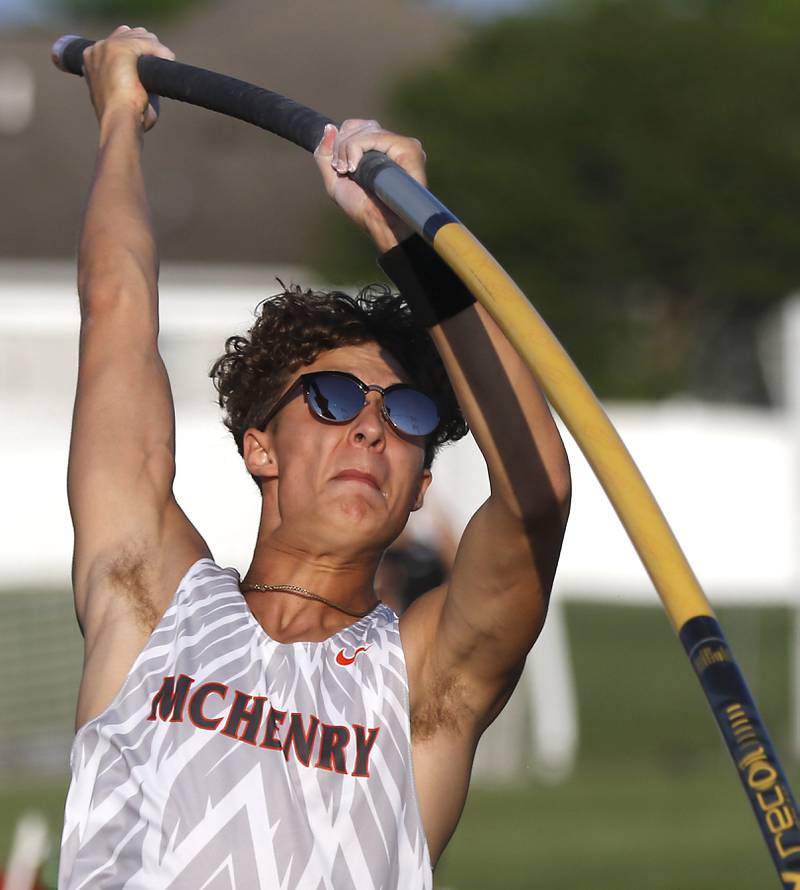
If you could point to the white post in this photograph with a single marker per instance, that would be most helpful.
(790, 379)
(550, 688)
(28, 851)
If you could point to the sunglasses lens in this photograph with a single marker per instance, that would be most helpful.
(338, 398)
(412, 411)
(333, 397)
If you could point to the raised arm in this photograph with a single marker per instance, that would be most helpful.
(466, 643)
(132, 542)
(496, 600)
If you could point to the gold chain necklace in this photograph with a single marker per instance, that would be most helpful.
(295, 590)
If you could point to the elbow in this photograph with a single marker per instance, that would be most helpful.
(555, 510)
(562, 490)
(112, 308)
(124, 279)
(546, 504)
(538, 491)
(549, 501)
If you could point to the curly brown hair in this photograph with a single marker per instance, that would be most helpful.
(292, 328)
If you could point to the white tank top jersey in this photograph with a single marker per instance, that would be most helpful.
(230, 760)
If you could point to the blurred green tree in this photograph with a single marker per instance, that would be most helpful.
(635, 165)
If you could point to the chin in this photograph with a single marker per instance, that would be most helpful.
(354, 522)
(359, 508)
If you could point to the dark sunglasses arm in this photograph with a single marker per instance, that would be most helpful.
(283, 400)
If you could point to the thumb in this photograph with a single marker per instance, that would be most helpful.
(151, 113)
(325, 147)
(323, 154)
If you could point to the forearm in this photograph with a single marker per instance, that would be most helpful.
(118, 256)
(501, 400)
(507, 414)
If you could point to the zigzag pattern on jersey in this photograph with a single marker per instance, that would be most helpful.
(162, 803)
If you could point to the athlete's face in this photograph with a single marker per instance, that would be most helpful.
(309, 467)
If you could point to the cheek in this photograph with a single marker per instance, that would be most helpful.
(297, 469)
(411, 473)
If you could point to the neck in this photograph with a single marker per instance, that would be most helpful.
(347, 583)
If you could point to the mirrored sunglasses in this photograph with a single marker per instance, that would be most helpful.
(338, 397)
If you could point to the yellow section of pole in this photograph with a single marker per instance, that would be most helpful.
(578, 407)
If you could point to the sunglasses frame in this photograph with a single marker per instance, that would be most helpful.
(365, 388)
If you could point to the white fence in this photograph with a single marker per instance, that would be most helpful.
(726, 477)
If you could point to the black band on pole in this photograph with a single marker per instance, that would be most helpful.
(746, 738)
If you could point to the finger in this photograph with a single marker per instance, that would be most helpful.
(410, 155)
(405, 151)
(144, 42)
(351, 148)
(353, 154)
(148, 44)
(353, 124)
(164, 52)
(346, 151)
(350, 129)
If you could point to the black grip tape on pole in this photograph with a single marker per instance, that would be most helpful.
(67, 53)
(370, 166)
(217, 92)
(235, 98)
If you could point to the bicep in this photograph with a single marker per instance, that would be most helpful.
(122, 455)
(121, 449)
(497, 598)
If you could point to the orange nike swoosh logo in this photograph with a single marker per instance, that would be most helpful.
(346, 660)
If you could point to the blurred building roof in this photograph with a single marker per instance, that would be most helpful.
(220, 190)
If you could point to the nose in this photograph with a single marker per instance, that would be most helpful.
(369, 425)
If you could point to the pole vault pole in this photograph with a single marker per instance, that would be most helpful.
(737, 716)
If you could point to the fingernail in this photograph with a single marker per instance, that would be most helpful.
(351, 167)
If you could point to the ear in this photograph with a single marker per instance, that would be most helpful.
(424, 482)
(259, 454)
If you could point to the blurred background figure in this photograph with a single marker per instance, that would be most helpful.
(419, 560)
(407, 571)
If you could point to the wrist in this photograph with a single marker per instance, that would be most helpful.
(120, 116)
(387, 234)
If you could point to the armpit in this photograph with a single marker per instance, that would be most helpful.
(444, 707)
(129, 575)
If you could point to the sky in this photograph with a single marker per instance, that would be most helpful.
(487, 9)
(17, 12)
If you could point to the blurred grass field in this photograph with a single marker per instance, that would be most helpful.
(654, 802)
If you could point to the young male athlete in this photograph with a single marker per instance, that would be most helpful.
(284, 729)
